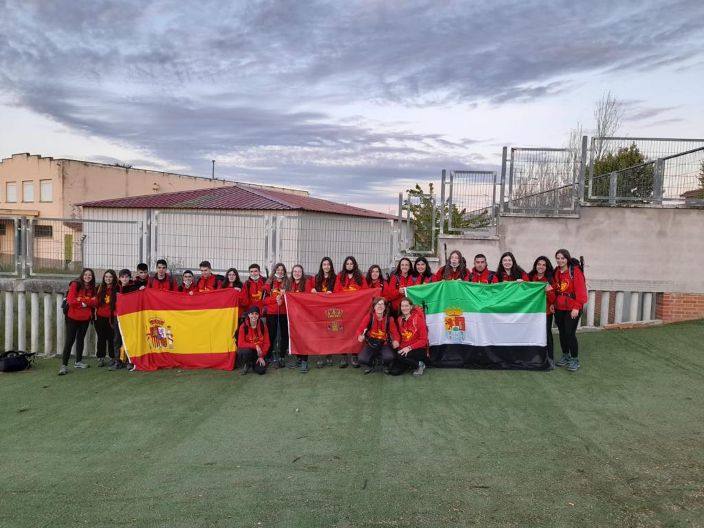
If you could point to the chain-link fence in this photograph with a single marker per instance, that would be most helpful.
(471, 201)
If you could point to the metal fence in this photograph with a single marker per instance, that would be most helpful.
(657, 170)
(471, 201)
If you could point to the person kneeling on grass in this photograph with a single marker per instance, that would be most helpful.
(412, 338)
(375, 332)
(252, 343)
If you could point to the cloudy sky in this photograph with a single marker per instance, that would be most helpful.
(350, 100)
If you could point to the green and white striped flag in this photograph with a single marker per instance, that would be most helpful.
(496, 325)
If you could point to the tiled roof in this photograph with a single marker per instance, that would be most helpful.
(238, 196)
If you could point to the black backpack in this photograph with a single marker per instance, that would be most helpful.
(374, 343)
(14, 361)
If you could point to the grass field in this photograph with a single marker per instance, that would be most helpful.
(620, 443)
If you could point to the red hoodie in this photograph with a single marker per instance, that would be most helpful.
(571, 293)
(248, 337)
(420, 279)
(392, 292)
(190, 290)
(272, 291)
(378, 283)
(252, 293)
(75, 298)
(549, 295)
(343, 282)
(165, 284)
(325, 287)
(206, 285)
(483, 277)
(105, 306)
(378, 327)
(411, 332)
(506, 278)
(454, 275)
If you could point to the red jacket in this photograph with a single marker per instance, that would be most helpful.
(345, 283)
(378, 327)
(105, 303)
(165, 284)
(392, 292)
(420, 279)
(209, 284)
(483, 277)
(549, 295)
(301, 287)
(76, 298)
(411, 332)
(191, 290)
(248, 337)
(455, 275)
(272, 291)
(325, 286)
(570, 292)
(506, 278)
(252, 293)
(379, 283)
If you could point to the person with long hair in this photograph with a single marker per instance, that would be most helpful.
(232, 280)
(252, 343)
(542, 272)
(323, 282)
(570, 298)
(299, 282)
(376, 333)
(421, 272)
(454, 269)
(188, 284)
(412, 337)
(375, 277)
(349, 279)
(81, 300)
(105, 320)
(401, 278)
(481, 273)
(275, 312)
(508, 269)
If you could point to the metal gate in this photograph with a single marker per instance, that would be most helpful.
(468, 202)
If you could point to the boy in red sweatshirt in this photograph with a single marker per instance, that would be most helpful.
(252, 343)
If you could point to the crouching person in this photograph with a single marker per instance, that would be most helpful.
(412, 338)
(376, 334)
(252, 343)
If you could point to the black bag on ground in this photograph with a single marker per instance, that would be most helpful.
(14, 361)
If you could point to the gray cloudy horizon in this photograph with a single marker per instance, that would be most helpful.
(348, 100)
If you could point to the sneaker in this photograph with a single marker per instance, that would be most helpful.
(130, 367)
(245, 369)
(343, 362)
(563, 361)
(101, 362)
(369, 369)
(573, 365)
(63, 370)
(116, 365)
(275, 363)
(420, 369)
(304, 367)
(81, 365)
(355, 362)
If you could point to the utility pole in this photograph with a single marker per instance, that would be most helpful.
(212, 176)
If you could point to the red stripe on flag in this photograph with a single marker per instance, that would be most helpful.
(322, 323)
(160, 360)
(152, 299)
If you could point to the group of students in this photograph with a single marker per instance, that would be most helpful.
(394, 333)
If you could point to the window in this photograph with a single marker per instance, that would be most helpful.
(3, 229)
(43, 231)
(46, 191)
(11, 192)
(27, 191)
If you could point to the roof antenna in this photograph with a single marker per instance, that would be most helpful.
(212, 175)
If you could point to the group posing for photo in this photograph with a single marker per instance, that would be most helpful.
(394, 334)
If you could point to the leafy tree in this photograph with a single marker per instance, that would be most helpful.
(420, 206)
(635, 180)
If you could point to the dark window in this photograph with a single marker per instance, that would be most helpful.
(3, 229)
(43, 231)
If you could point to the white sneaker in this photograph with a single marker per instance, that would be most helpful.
(63, 370)
(81, 365)
(420, 369)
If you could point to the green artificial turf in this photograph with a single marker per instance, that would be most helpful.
(619, 443)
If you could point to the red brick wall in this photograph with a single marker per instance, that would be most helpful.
(673, 307)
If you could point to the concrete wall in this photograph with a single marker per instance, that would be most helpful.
(625, 248)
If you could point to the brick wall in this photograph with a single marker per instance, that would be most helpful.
(673, 307)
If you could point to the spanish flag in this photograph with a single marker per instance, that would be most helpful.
(165, 329)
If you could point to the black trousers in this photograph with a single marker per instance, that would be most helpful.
(368, 354)
(551, 355)
(412, 358)
(106, 337)
(248, 356)
(278, 326)
(75, 333)
(568, 332)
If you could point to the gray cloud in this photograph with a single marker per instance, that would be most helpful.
(237, 81)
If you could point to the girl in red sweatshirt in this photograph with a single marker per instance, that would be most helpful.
(376, 332)
(454, 269)
(398, 281)
(349, 279)
(508, 269)
(323, 282)
(375, 277)
(81, 302)
(252, 343)
(571, 296)
(275, 312)
(421, 272)
(542, 272)
(105, 318)
(412, 337)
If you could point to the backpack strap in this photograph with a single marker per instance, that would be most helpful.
(491, 277)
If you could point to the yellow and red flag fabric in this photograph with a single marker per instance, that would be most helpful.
(165, 329)
(327, 323)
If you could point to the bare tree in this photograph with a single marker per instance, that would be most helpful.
(608, 114)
